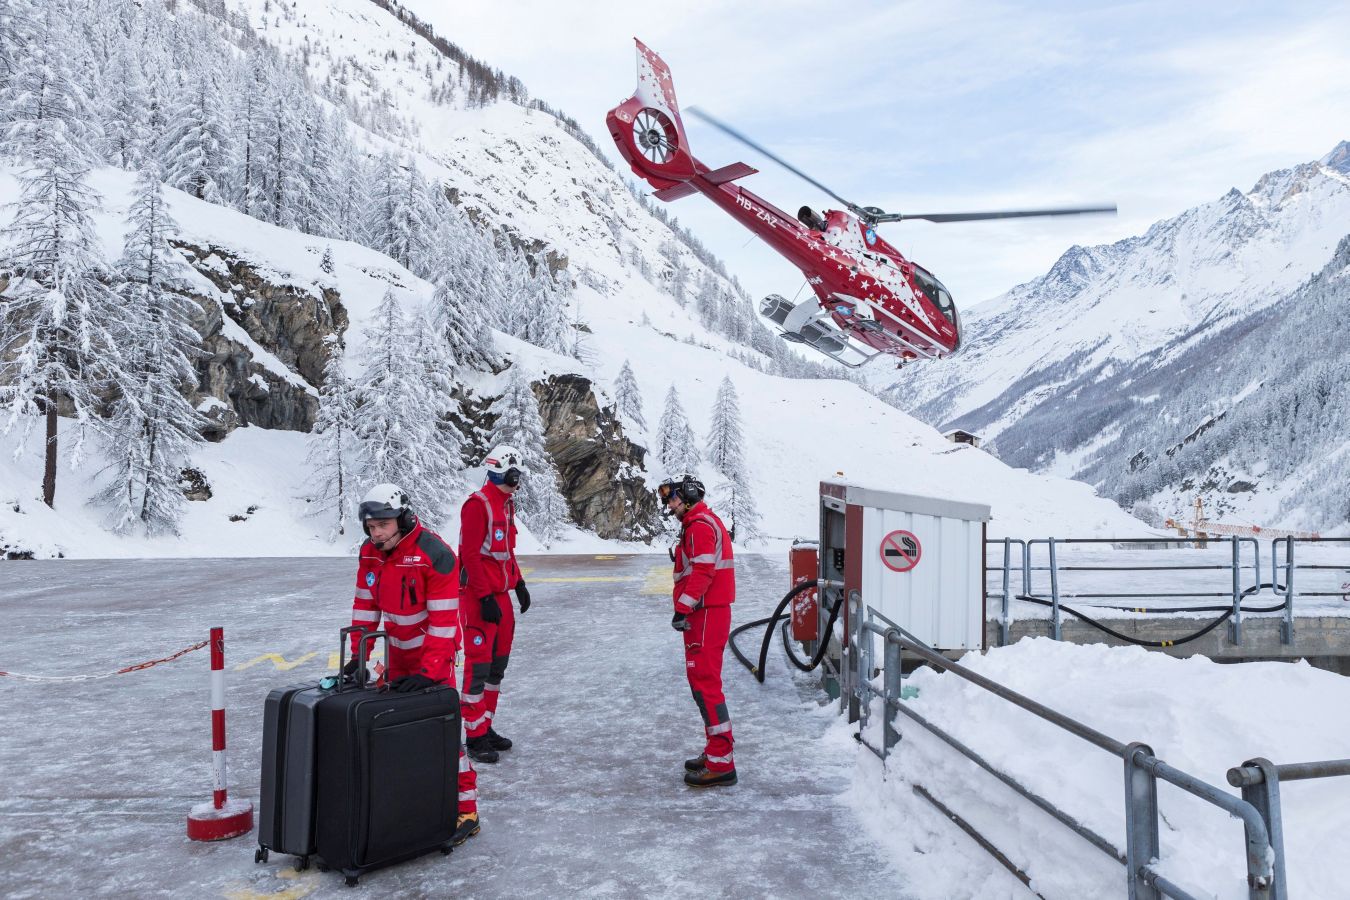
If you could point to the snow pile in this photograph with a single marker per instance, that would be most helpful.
(1199, 716)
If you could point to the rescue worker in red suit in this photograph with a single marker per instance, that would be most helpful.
(409, 577)
(487, 552)
(705, 587)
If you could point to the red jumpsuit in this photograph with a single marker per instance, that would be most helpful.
(415, 588)
(705, 588)
(487, 551)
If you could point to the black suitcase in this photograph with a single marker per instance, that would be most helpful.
(360, 776)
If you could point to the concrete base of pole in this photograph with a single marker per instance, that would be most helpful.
(206, 823)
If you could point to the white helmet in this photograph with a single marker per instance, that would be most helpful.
(505, 465)
(386, 501)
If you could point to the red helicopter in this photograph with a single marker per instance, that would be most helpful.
(868, 298)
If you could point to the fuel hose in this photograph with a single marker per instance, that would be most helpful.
(771, 621)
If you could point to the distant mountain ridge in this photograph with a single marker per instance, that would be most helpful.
(1198, 358)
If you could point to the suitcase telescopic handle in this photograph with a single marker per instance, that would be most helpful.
(362, 652)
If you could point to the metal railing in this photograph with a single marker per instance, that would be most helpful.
(1260, 782)
(1142, 769)
(1288, 568)
(1236, 585)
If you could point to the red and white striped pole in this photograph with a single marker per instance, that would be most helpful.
(221, 818)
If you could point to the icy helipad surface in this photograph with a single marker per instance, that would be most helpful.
(99, 775)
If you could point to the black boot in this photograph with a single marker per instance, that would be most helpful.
(480, 749)
(465, 828)
(704, 778)
(693, 765)
(496, 741)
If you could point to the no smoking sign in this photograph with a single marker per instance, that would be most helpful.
(900, 551)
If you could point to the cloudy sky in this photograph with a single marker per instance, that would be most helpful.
(952, 106)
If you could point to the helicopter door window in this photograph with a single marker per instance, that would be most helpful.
(935, 291)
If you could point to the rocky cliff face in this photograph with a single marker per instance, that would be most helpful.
(262, 362)
(287, 322)
(600, 470)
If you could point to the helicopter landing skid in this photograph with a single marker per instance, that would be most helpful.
(808, 324)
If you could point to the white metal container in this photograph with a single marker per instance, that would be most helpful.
(919, 561)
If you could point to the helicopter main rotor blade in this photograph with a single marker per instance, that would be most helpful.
(1004, 214)
(731, 132)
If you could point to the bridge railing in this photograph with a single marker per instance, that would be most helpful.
(1035, 566)
(1287, 579)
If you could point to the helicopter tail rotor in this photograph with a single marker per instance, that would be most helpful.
(647, 127)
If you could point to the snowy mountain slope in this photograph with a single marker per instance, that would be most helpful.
(1075, 373)
(798, 430)
(515, 168)
(522, 174)
(1230, 257)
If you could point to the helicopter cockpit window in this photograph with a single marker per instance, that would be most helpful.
(936, 292)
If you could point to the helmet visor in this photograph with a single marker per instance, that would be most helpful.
(371, 509)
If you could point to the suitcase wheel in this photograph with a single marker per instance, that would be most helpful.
(260, 855)
(301, 863)
(352, 880)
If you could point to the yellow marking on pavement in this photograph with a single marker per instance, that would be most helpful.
(605, 556)
(583, 579)
(659, 581)
(525, 570)
(306, 884)
(333, 660)
(279, 661)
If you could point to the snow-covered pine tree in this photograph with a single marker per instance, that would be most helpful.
(249, 113)
(151, 428)
(675, 438)
(737, 508)
(518, 424)
(411, 226)
(54, 340)
(725, 447)
(381, 208)
(282, 157)
(444, 456)
(333, 449)
(679, 280)
(458, 312)
(195, 150)
(518, 290)
(709, 301)
(318, 200)
(726, 452)
(398, 421)
(627, 396)
(126, 110)
(546, 322)
(326, 265)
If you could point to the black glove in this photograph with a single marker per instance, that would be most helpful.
(680, 622)
(523, 595)
(492, 613)
(351, 668)
(409, 683)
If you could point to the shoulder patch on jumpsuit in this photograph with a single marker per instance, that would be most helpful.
(442, 557)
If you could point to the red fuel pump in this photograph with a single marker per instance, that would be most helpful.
(804, 565)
